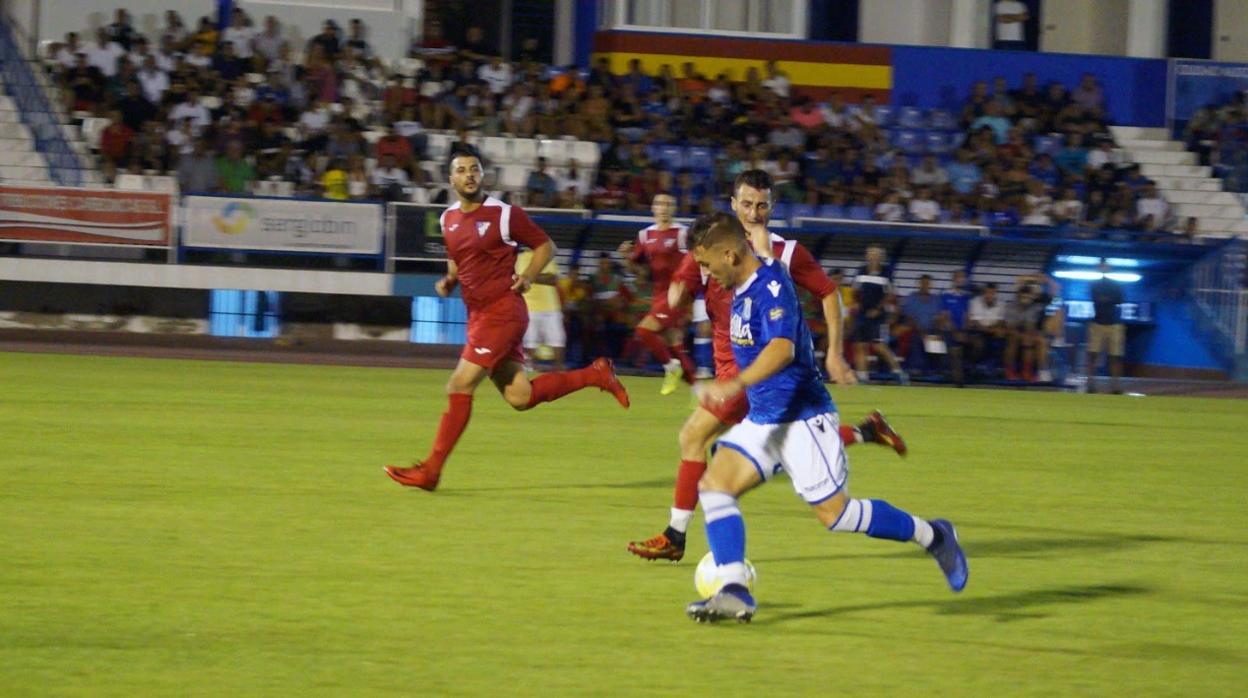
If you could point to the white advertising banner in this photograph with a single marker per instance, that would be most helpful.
(282, 225)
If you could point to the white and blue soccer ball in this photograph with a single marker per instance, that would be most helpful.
(706, 577)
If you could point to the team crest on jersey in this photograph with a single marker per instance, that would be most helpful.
(482, 227)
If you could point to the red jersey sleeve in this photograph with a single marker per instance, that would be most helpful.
(522, 229)
(689, 274)
(807, 273)
(639, 248)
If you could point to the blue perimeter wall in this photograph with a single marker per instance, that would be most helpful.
(931, 78)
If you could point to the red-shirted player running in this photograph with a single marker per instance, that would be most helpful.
(661, 246)
(481, 234)
(751, 201)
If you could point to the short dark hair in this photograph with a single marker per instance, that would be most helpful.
(711, 229)
(463, 150)
(756, 179)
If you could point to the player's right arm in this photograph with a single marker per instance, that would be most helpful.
(447, 284)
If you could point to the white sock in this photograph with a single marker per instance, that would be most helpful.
(734, 573)
(923, 534)
(680, 519)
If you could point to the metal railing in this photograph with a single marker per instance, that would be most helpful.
(1220, 290)
(29, 92)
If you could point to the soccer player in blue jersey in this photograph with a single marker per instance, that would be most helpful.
(792, 426)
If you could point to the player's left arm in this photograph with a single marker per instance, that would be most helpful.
(549, 275)
(808, 275)
(524, 230)
(774, 357)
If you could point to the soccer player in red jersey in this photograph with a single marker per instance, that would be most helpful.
(751, 201)
(481, 235)
(662, 246)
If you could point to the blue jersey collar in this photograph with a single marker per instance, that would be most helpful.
(745, 285)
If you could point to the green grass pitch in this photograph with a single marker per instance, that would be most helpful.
(222, 529)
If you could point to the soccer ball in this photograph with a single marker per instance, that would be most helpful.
(706, 577)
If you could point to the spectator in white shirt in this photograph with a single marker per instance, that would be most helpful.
(389, 179)
(1011, 18)
(1037, 205)
(985, 324)
(787, 136)
(268, 44)
(1151, 211)
(930, 174)
(103, 54)
(181, 137)
(496, 75)
(153, 80)
(191, 109)
(1068, 209)
(67, 55)
(1102, 155)
(239, 34)
(834, 112)
(571, 179)
(890, 209)
(776, 80)
(923, 208)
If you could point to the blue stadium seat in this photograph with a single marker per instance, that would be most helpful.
(781, 212)
(831, 211)
(941, 119)
(859, 212)
(673, 155)
(802, 211)
(909, 142)
(910, 117)
(1048, 144)
(852, 110)
(700, 159)
(883, 115)
(938, 143)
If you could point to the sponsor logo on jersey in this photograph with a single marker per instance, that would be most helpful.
(776, 313)
(740, 331)
(774, 287)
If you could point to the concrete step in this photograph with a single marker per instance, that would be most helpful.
(31, 173)
(1182, 196)
(1213, 224)
(1201, 184)
(1209, 211)
(1170, 170)
(1162, 157)
(18, 158)
(1139, 133)
(1131, 144)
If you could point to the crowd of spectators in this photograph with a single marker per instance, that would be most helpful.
(1219, 135)
(1032, 155)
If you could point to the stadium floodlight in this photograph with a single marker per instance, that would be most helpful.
(1086, 275)
(1085, 260)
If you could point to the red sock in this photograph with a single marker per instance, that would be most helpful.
(552, 386)
(686, 363)
(686, 496)
(654, 344)
(454, 420)
(849, 435)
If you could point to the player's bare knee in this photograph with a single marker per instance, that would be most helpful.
(518, 398)
(829, 510)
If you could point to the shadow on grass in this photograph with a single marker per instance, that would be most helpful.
(1004, 608)
(1007, 548)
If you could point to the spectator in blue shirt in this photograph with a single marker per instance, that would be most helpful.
(922, 311)
(964, 175)
(1045, 170)
(952, 320)
(993, 119)
(1073, 158)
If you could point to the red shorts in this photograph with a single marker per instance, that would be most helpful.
(663, 313)
(733, 411)
(496, 332)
